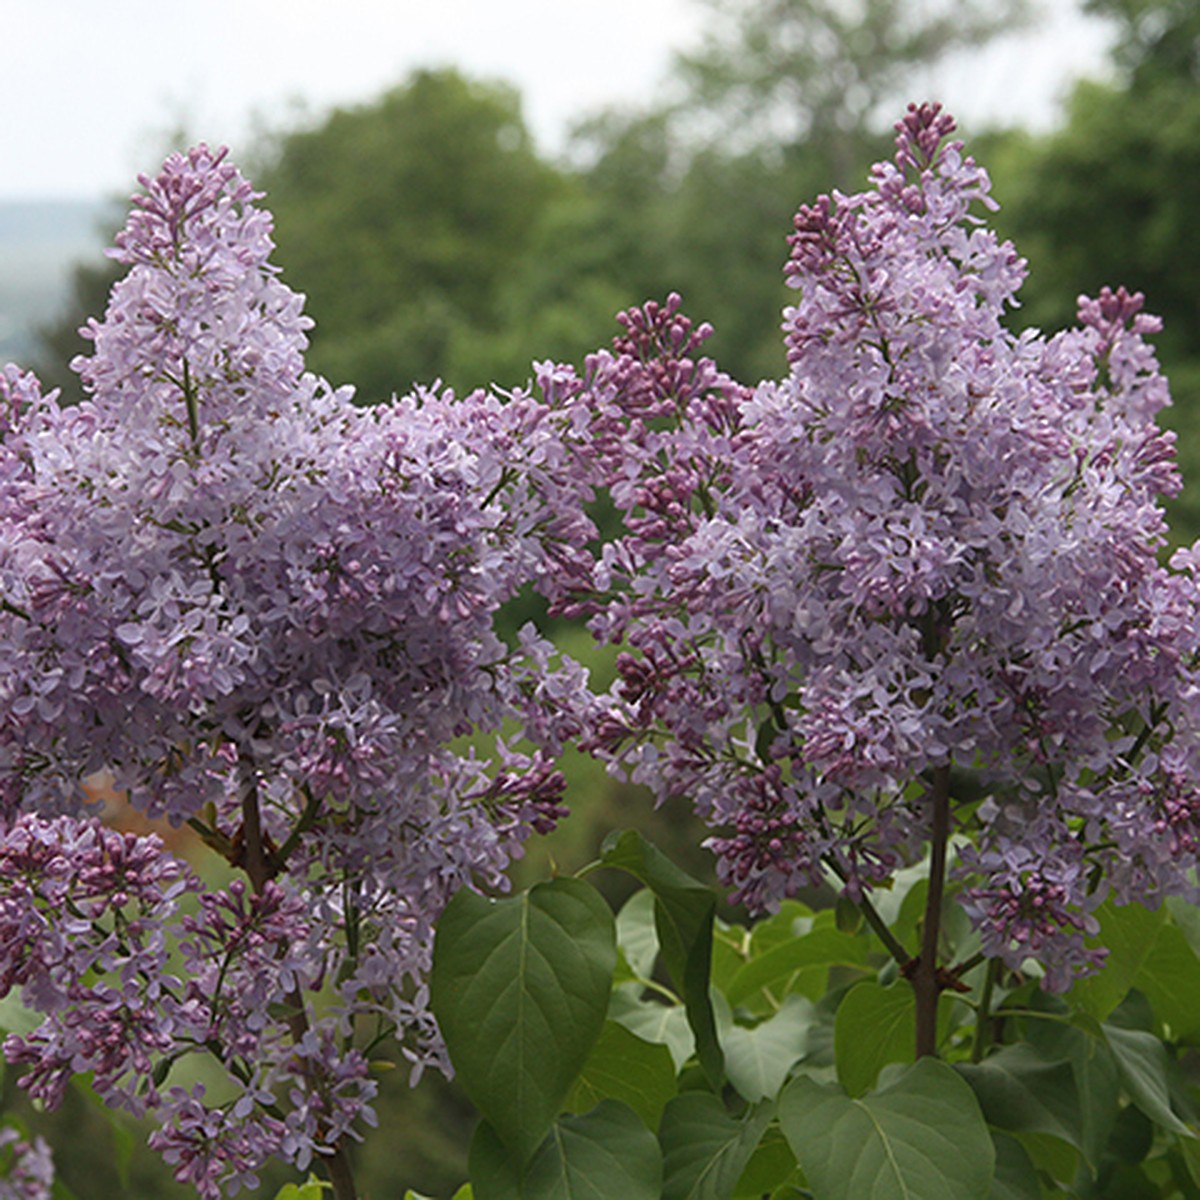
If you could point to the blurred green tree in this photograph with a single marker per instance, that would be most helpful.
(402, 220)
(822, 74)
(1109, 198)
(1156, 39)
(782, 100)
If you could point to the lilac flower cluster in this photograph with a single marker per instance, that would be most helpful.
(26, 1167)
(920, 572)
(270, 613)
(929, 552)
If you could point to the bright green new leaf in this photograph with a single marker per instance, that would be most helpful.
(606, 1154)
(705, 1150)
(625, 1067)
(315, 1189)
(920, 1137)
(684, 910)
(520, 988)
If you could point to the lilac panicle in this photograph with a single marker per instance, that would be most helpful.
(269, 613)
(26, 1167)
(932, 546)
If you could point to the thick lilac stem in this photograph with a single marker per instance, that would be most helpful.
(257, 867)
(337, 1167)
(925, 978)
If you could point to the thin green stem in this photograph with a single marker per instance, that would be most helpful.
(968, 964)
(305, 822)
(193, 414)
(17, 611)
(984, 1016)
(874, 920)
(652, 985)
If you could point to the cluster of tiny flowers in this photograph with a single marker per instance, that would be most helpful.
(269, 613)
(930, 549)
(929, 552)
(26, 1167)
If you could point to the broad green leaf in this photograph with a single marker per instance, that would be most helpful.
(1052, 1156)
(889, 901)
(1128, 932)
(1097, 1080)
(911, 914)
(1016, 1177)
(606, 1154)
(771, 1165)
(1142, 1060)
(792, 920)
(464, 1193)
(684, 911)
(520, 988)
(1186, 918)
(758, 1060)
(1170, 979)
(1132, 1137)
(666, 1024)
(1020, 1091)
(874, 1026)
(821, 947)
(728, 953)
(624, 1067)
(1190, 1149)
(921, 1137)
(636, 934)
(705, 1150)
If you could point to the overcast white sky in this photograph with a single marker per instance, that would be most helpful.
(91, 88)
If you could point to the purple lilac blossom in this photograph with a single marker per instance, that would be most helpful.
(933, 545)
(26, 1167)
(270, 613)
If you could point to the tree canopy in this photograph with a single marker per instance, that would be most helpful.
(402, 219)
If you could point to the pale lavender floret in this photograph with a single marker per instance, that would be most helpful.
(210, 1147)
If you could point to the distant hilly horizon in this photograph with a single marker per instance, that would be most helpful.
(41, 241)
